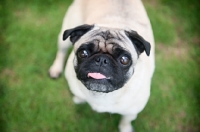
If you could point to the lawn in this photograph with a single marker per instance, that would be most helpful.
(32, 102)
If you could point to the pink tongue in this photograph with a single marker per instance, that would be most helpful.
(96, 75)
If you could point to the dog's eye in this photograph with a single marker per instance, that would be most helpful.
(124, 60)
(83, 54)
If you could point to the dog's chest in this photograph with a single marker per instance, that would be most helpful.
(114, 102)
(105, 103)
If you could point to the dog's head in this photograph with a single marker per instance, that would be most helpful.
(105, 58)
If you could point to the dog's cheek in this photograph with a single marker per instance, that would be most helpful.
(130, 72)
(75, 62)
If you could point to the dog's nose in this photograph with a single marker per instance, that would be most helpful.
(102, 60)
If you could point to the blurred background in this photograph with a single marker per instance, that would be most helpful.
(32, 102)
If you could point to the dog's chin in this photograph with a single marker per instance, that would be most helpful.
(102, 85)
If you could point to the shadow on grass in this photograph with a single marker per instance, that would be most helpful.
(94, 121)
(89, 120)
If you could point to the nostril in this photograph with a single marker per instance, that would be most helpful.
(105, 61)
(101, 60)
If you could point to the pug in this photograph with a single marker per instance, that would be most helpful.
(112, 61)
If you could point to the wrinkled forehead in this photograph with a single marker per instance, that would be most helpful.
(106, 40)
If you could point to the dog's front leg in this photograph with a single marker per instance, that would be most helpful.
(72, 18)
(57, 66)
(125, 123)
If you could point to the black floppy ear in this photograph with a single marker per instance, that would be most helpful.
(139, 42)
(77, 32)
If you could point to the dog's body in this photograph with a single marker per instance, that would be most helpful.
(113, 20)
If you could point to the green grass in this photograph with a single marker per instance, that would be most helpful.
(32, 102)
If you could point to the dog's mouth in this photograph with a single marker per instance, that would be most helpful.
(100, 82)
(96, 75)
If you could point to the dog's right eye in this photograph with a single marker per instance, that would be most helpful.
(83, 54)
(124, 60)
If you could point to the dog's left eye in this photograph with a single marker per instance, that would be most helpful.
(124, 60)
(83, 54)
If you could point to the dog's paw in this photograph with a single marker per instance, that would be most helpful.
(55, 71)
(78, 100)
(125, 127)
